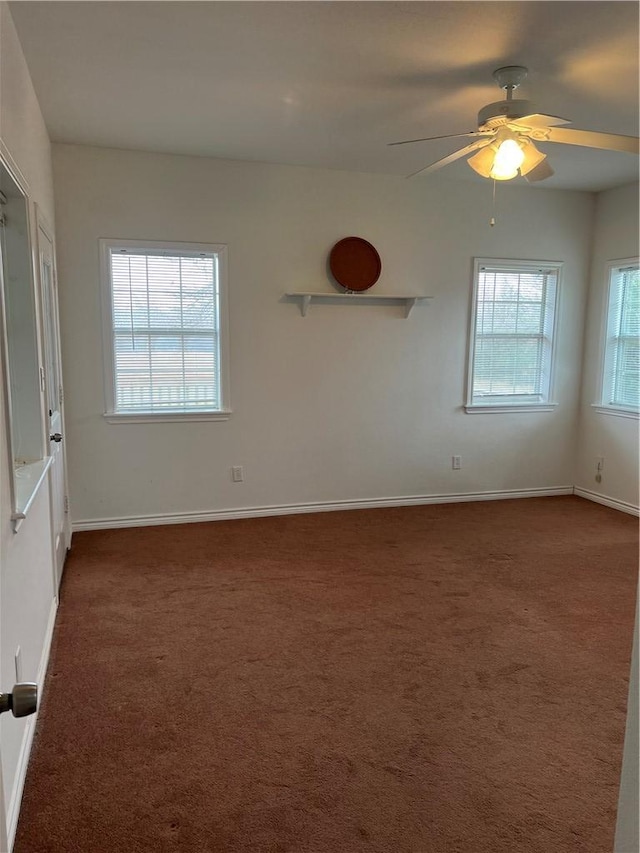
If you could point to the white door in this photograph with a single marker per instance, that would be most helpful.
(54, 397)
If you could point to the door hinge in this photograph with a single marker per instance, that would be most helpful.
(42, 379)
(66, 503)
(60, 395)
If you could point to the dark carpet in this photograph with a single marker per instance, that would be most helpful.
(440, 679)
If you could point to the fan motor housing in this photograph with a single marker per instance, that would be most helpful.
(501, 112)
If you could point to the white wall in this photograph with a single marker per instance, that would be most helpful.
(22, 126)
(615, 438)
(26, 566)
(349, 403)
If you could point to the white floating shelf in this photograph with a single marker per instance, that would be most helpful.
(369, 298)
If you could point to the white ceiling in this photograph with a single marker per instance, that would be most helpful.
(329, 84)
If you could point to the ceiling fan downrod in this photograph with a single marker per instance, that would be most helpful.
(510, 77)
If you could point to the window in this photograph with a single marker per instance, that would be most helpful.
(621, 371)
(165, 331)
(512, 326)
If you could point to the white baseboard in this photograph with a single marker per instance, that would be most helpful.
(293, 509)
(596, 497)
(13, 811)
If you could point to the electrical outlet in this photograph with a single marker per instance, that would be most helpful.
(18, 664)
(456, 463)
(237, 474)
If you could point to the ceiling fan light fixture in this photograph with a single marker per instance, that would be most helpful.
(532, 158)
(482, 162)
(509, 157)
(503, 157)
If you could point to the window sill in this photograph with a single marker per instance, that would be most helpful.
(618, 413)
(502, 408)
(27, 481)
(164, 417)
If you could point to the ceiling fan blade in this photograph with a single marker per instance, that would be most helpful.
(591, 139)
(451, 158)
(429, 138)
(540, 120)
(539, 173)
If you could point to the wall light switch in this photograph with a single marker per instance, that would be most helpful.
(456, 462)
(237, 474)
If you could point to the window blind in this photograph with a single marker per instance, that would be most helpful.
(166, 331)
(513, 333)
(621, 380)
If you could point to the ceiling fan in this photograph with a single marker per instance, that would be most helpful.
(507, 133)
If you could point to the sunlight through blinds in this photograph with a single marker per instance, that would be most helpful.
(514, 318)
(165, 310)
(622, 351)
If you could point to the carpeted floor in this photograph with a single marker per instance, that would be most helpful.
(441, 679)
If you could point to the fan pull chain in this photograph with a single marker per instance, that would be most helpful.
(492, 221)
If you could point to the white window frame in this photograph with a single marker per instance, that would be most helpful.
(603, 406)
(167, 248)
(503, 405)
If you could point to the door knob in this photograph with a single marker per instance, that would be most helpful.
(22, 701)
(57, 436)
